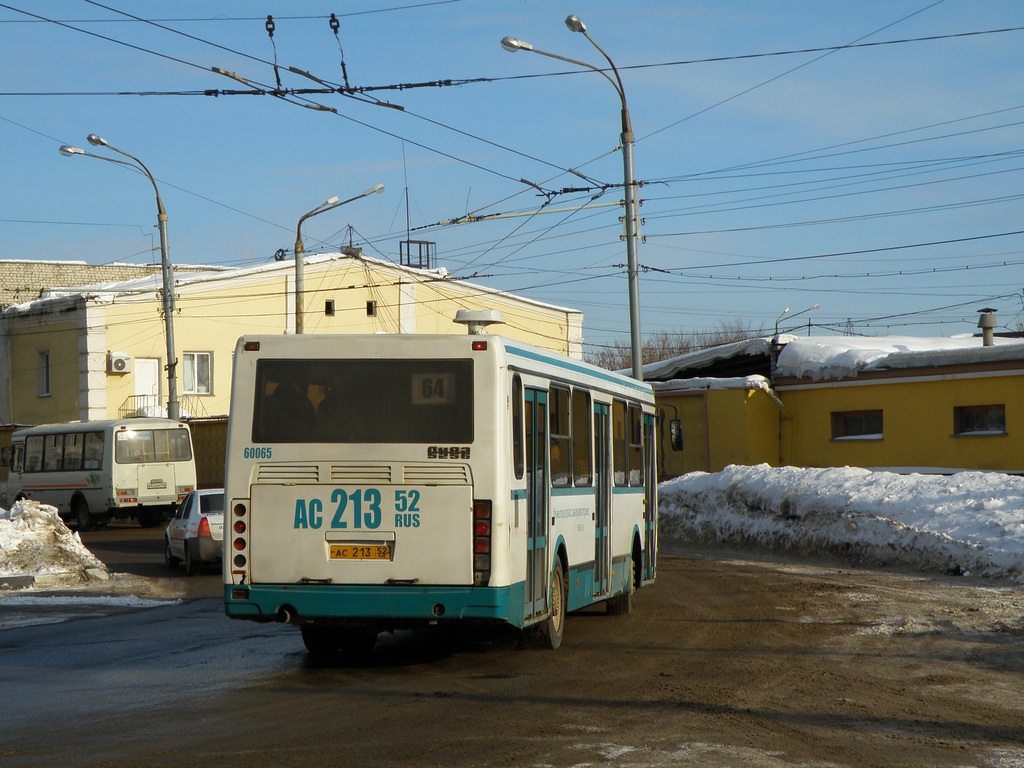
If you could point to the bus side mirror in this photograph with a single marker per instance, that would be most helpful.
(675, 434)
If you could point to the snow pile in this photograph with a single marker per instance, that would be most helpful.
(970, 523)
(34, 542)
(832, 357)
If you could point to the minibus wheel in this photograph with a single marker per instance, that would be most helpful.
(80, 511)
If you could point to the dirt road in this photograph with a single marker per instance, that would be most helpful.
(725, 661)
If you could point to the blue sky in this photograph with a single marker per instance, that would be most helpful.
(882, 181)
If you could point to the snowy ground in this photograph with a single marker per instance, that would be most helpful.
(970, 523)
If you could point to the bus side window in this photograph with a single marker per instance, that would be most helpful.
(619, 455)
(34, 453)
(53, 453)
(560, 437)
(517, 426)
(582, 420)
(636, 455)
(74, 442)
(93, 450)
(17, 457)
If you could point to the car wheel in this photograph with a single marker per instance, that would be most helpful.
(192, 563)
(169, 559)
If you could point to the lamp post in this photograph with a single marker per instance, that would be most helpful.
(785, 316)
(300, 250)
(173, 410)
(574, 24)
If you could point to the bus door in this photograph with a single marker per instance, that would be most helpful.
(602, 501)
(536, 418)
(650, 500)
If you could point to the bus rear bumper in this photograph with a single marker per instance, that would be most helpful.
(401, 604)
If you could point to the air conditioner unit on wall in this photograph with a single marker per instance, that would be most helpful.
(118, 362)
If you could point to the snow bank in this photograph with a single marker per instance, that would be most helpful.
(967, 523)
(34, 542)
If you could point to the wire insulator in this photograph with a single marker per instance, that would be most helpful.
(270, 25)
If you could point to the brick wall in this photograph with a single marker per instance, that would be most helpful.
(22, 281)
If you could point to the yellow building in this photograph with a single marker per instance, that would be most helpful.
(96, 352)
(894, 403)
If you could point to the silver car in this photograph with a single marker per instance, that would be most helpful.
(196, 532)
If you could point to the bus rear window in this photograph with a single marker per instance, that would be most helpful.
(363, 401)
(135, 446)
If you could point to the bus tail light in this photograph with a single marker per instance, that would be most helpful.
(127, 495)
(481, 542)
(239, 544)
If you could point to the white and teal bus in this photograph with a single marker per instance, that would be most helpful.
(376, 483)
(92, 471)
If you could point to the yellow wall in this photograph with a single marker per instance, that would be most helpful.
(917, 424)
(28, 339)
(720, 427)
(723, 427)
(212, 314)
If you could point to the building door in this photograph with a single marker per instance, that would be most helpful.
(147, 387)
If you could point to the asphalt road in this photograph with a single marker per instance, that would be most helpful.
(726, 660)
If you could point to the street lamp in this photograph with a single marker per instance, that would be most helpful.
(785, 316)
(574, 24)
(173, 411)
(300, 250)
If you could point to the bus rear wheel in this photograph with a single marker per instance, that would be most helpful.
(80, 511)
(356, 641)
(319, 639)
(621, 605)
(548, 634)
(150, 519)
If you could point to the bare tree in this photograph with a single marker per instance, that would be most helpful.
(664, 345)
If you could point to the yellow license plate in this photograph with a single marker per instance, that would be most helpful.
(360, 552)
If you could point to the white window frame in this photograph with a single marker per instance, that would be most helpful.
(189, 370)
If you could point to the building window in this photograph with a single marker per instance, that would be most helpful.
(329, 307)
(44, 374)
(857, 425)
(196, 374)
(371, 309)
(979, 420)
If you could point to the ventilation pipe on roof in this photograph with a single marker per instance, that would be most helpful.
(477, 322)
(987, 323)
